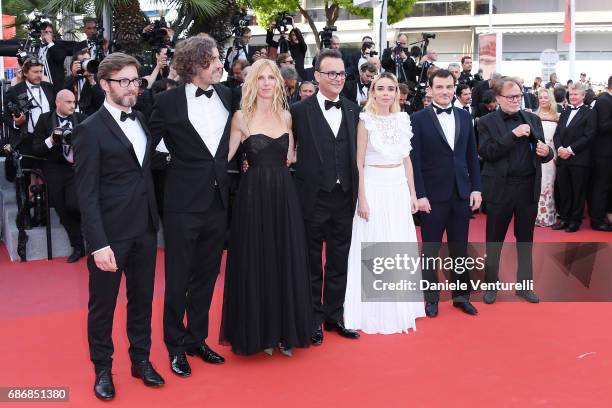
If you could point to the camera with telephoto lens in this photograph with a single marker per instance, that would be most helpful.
(62, 135)
(88, 65)
(239, 22)
(326, 36)
(23, 105)
(283, 20)
(35, 26)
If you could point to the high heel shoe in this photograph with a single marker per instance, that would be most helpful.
(269, 351)
(286, 351)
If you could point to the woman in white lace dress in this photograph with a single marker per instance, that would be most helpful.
(386, 202)
(547, 111)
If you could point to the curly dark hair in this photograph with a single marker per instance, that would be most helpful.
(193, 53)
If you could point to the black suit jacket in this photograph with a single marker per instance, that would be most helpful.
(55, 59)
(91, 98)
(115, 193)
(249, 55)
(308, 127)
(496, 143)
(46, 123)
(350, 90)
(478, 92)
(602, 144)
(410, 68)
(193, 170)
(579, 135)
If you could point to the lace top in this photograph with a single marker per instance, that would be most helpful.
(388, 137)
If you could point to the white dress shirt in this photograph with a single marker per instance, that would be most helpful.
(42, 55)
(132, 130)
(67, 151)
(447, 122)
(572, 114)
(207, 115)
(41, 104)
(333, 116)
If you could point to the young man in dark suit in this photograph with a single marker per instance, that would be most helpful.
(573, 140)
(112, 152)
(447, 183)
(194, 122)
(357, 91)
(325, 130)
(513, 149)
(53, 57)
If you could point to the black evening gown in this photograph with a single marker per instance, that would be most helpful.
(267, 297)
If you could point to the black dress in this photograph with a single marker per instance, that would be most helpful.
(267, 297)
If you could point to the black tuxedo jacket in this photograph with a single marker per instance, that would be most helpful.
(228, 64)
(579, 135)
(602, 145)
(55, 59)
(193, 172)
(46, 123)
(92, 97)
(115, 193)
(496, 143)
(410, 68)
(308, 127)
(350, 90)
(480, 88)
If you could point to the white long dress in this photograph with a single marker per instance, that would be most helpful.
(390, 220)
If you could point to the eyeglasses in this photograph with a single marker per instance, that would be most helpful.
(124, 82)
(334, 75)
(512, 98)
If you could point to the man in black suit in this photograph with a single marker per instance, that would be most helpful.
(573, 140)
(529, 102)
(84, 85)
(243, 51)
(601, 153)
(407, 69)
(58, 166)
(466, 76)
(325, 129)
(53, 57)
(357, 91)
(480, 88)
(447, 183)
(513, 149)
(112, 152)
(194, 122)
(351, 62)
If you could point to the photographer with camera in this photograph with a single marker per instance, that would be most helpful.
(83, 83)
(241, 50)
(52, 57)
(466, 76)
(296, 45)
(367, 52)
(95, 42)
(53, 141)
(399, 61)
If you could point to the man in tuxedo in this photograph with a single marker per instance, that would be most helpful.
(84, 85)
(357, 91)
(513, 149)
(325, 129)
(573, 140)
(243, 51)
(194, 122)
(481, 88)
(52, 56)
(466, 76)
(529, 102)
(601, 153)
(58, 166)
(463, 98)
(114, 185)
(447, 183)
(407, 70)
(352, 67)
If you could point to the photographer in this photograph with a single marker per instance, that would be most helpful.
(357, 90)
(83, 83)
(53, 141)
(241, 50)
(95, 41)
(52, 57)
(296, 44)
(407, 68)
(367, 52)
(466, 76)
(163, 55)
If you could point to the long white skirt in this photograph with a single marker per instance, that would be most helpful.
(390, 220)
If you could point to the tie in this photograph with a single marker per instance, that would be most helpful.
(510, 116)
(573, 108)
(467, 108)
(440, 110)
(201, 92)
(330, 104)
(125, 115)
(35, 87)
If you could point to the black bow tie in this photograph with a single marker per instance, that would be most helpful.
(35, 86)
(361, 85)
(201, 92)
(467, 108)
(573, 108)
(510, 116)
(125, 115)
(440, 110)
(62, 119)
(330, 104)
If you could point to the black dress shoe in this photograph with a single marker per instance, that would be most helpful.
(179, 365)
(528, 295)
(602, 227)
(489, 297)
(104, 387)
(573, 227)
(559, 225)
(466, 307)
(431, 309)
(343, 331)
(77, 253)
(145, 371)
(207, 354)
(317, 337)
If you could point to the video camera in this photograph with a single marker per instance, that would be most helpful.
(28, 49)
(62, 135)
(24, 105)
(326, 36)
(283, 20)
(239, 22)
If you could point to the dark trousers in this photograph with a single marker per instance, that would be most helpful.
(600, 190)
(452, 216)
(136, 258)
(332, 222)
(518, 203)
(62, 196)
(572, 182)
(194, 246)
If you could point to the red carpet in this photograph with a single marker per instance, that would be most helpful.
(511, 355)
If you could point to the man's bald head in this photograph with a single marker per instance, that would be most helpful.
(65, 102)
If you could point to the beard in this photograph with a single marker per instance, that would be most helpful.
(127, 101)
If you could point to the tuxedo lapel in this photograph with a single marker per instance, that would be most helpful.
(225, 94)
(183, 113)
(580, 115)
(348, 112)
(436, 123)
(316, 121)
(48, 90)
(457, 125)
(116, 131)
(148, 149)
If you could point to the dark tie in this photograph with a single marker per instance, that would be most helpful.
(330, 104)
(440, 110)
(573, 108)
(125, 115)
(467, 108)
(201, 92)
(35, 87)
(510, 116)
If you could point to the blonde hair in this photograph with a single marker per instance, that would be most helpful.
(553, 104)
(370, 105)
(248, 103)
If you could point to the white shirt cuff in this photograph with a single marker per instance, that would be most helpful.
(571, 151)
(49, 142)
(101, 249)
